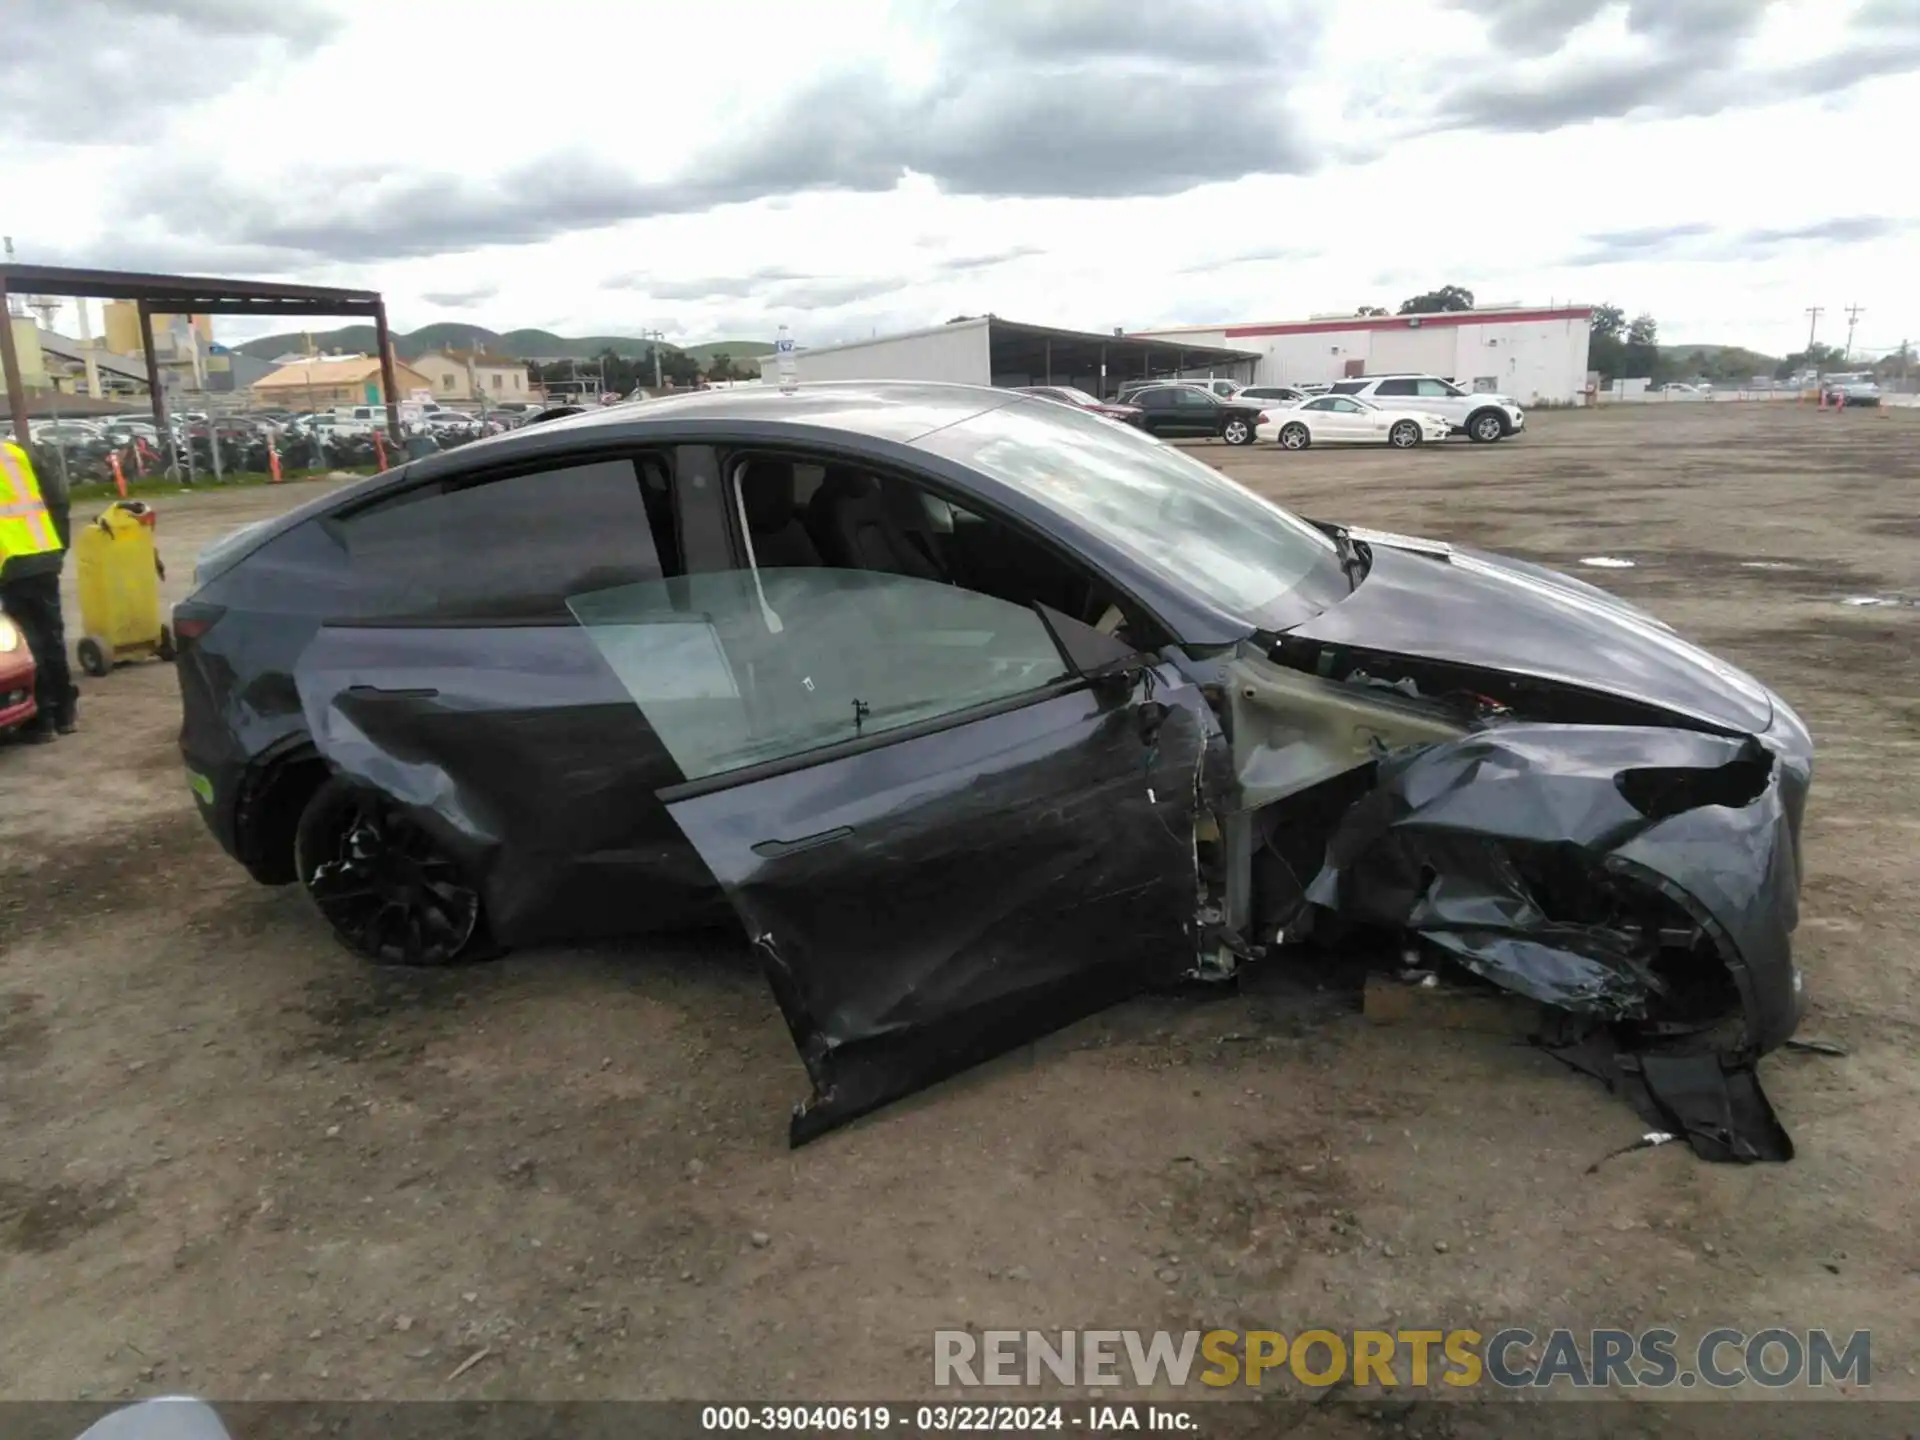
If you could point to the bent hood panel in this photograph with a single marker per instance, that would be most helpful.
(1479, 610)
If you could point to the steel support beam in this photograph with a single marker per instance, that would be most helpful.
(10, 364)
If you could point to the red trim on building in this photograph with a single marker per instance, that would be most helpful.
(1405, 322)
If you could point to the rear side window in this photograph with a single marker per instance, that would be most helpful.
(1397, 387)
(1348, 387)
(514, 548)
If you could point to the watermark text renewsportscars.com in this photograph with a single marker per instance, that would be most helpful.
(1509, 1359)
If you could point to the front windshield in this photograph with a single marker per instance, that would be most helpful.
(1210, 535)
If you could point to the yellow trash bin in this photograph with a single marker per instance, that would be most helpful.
(120, 589)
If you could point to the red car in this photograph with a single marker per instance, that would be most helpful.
(16, 678)
(1081, 400)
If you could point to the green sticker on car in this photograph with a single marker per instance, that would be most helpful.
(201, 786)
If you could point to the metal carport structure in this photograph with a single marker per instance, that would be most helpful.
(986, 350)
(1021, 354)
(183, 295)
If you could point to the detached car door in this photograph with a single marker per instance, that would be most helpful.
(946, 829)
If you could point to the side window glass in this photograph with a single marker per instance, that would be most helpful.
(744, 667)
(1154, 400)
(1395, 387)
(513, 548)
(1321, 404)
(1434, 388)
(1195, 400)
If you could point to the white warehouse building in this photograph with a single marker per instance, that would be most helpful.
(1535, 355)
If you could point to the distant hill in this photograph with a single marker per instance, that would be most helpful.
(736, 349)
(520, 344)
(1731, 362)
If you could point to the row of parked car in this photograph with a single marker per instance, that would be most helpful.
(1398, 410)
(85, 450)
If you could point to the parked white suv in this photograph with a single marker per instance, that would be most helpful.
(1484, 417)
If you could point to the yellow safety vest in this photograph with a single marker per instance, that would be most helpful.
(25, 526)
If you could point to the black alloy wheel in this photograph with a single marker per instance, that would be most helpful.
(384, 884)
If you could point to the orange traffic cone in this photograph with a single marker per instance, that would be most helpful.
(380, 449)
(119, 476)
(273, 461)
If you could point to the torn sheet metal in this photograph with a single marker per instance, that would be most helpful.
(1715, 1101)
(924, 905)
(1608, 871)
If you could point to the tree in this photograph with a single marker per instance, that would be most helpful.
(1641, 353)
(1606, 352)
(1818, 358)
(1371, 310)
(677, 367)
(1435, 302)
(721, 367)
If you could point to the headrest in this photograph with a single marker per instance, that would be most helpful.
(840, 483)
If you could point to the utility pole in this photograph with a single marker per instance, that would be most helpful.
(1814, 312)
(653, 339)
(1854, 312)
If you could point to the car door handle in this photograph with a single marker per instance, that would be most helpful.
(379, 692)
(780, 849)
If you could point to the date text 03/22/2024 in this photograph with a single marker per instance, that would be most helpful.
(947, 1419)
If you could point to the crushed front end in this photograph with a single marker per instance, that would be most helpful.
(1638, 881)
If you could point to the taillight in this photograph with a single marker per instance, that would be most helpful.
(194, 618)
(1261, 419)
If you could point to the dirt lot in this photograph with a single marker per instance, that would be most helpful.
(234, 1161)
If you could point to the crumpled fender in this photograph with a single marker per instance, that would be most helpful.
(1463, 843)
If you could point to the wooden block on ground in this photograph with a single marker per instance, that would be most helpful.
(1391, 1001)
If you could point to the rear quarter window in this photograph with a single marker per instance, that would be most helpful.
(513, 548)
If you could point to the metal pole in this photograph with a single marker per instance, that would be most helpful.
(10, 364)
(156, 392)
(87, 350)
(59, 440)
(1049, 379)
(386, 370)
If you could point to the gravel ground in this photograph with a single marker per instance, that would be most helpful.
(237, 1162)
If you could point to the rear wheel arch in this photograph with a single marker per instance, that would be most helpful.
(272, 800)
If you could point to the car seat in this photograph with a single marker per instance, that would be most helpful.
(780, 541)
(860, 523)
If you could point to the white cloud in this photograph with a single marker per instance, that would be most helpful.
(723, 170)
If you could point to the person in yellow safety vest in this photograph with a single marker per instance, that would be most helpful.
(33, 547)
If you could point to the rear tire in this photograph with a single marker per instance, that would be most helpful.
(1294, 436)
(1487, 426)
(1237, 432)
(1404, 436)
(95, 658)
(381, 880)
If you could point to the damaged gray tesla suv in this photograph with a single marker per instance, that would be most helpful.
(981, 714)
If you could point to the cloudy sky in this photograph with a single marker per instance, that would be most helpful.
(847, 166)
